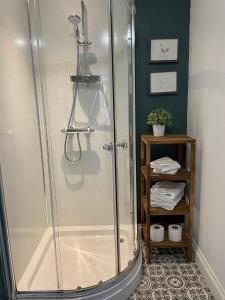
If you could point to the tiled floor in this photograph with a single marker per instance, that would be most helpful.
(170, 278)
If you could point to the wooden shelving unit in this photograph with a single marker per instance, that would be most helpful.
(148, 178)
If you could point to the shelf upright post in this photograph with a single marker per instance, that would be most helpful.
(143, 185)
(148, 187)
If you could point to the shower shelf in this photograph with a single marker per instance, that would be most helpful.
(85, 78)
(151, 215)
(181, 175)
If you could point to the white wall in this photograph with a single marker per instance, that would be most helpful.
(20, 155)
(206, 122)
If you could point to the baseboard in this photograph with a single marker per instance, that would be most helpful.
(210, 277)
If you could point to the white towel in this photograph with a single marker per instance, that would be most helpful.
(167, 194)
(168, 205)
(168, 188)
(165, 165)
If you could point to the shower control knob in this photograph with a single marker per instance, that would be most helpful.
(108, 147)
(123, 145)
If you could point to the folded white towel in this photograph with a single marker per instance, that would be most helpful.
(169, 205)
(165, 165)
(167, 194)
(168, 188)
(163, 198)
(169, 172)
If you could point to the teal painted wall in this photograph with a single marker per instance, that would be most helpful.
(161, 19)
(2, 290)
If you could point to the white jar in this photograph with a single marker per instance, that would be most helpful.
(159, 130)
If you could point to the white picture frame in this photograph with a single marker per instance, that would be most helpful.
(163, 83)
(163, 50)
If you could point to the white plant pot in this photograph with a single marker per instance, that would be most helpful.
(159, 130)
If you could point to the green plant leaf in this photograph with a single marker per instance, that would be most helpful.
(160, 116)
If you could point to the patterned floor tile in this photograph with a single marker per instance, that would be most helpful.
(169, 277)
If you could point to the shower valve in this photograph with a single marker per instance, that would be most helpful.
(108, 147)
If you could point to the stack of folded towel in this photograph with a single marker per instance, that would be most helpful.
(167, 194)
(165, 165)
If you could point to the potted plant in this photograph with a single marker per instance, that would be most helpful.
(159, 118)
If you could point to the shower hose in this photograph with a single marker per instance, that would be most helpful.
(71, 121)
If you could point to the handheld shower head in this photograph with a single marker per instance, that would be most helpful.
(74, 19)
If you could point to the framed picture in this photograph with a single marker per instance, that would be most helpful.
(163, 50)
(161, 83)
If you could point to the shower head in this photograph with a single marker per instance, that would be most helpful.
(74, 19)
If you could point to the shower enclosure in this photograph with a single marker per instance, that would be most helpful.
(67, 149)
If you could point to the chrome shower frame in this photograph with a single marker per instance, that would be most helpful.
(132, 274)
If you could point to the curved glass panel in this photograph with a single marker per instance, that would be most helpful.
(124, 97)
(75, 68)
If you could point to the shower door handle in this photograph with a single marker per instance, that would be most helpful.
(123, 145)
(108, 147)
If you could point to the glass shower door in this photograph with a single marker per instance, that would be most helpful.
(123, 52)
(86, 241)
